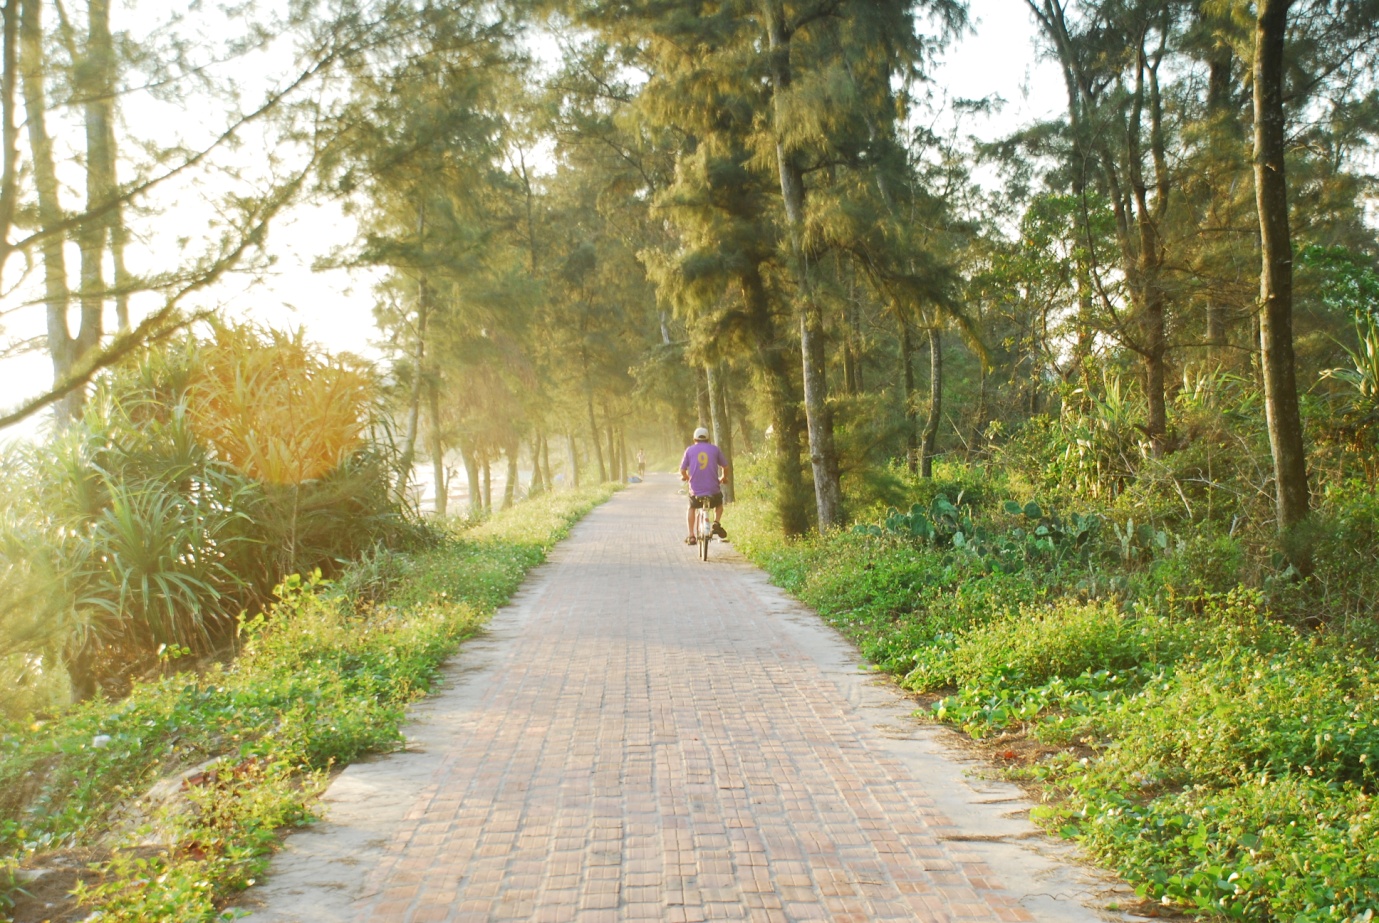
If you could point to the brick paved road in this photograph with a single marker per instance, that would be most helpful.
(642, 736)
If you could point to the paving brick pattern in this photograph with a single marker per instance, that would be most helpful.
(653, 744)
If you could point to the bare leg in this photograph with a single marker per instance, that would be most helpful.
(690, 530)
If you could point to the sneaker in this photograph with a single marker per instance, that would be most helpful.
(691, 540)
(720, 532)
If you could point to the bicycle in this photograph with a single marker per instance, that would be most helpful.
(703, 524)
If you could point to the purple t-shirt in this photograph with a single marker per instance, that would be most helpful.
(702, 460)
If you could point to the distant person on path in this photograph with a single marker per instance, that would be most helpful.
(700, 468)
(641, 464)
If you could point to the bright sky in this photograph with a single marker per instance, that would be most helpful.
(336, 308)
(1000, 60)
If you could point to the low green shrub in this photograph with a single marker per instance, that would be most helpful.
(1347, 532)
(1035, 644)
(1285, 847)
(1231, 715)
(222, 843)
(1201, 564)
(200, 475)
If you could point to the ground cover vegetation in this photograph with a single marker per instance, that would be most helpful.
(1108, 416)
(166, 802)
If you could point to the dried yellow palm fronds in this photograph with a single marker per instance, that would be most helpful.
(275, 408)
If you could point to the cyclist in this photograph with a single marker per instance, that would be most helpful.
(700, 468)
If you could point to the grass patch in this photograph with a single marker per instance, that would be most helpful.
(324, 678)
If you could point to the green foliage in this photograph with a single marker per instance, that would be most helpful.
(1242, 784)
(1275, 848)
(943, 524)
(1345, 594)
(1186, 568)
(128, 537)
(1346, 281)
(222, 844)
(1140, 542)
(1094, 448)
(1363, 375)
(866, 433)
(130, 532)
(1066, 660)
(1039, 536)
(1092, 453)
(1033, 645)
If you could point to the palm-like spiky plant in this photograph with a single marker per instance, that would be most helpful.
(197, 480)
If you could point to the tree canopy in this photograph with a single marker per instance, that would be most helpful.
(601, 223)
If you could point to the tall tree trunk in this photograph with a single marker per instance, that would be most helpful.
(722, 427)
(1086, 334)
(510, 485)
(791, 501)
(538, 482)
(907, 384)
(1224, 137)
(9, 129)
(409, 443)
(56, 295)
(1155, 357)
(97, 94)
(930, 442)
(852, 339)
(1217, 325)
(712, 383)
(744, 427)
(119, 234)
(1093, 105)
(547, 475)
(437, 446)
(823, 456)
(572, 455)
(530, 199)
(978, 418)
(470, 459)
(1276, 280)
(857, 345)
(614, 468)
(683, 424)
(704, 411)
(119, 238)
(409, 438)
(594, 434)
(488, 481)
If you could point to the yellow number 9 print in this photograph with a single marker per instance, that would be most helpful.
(703, 461)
